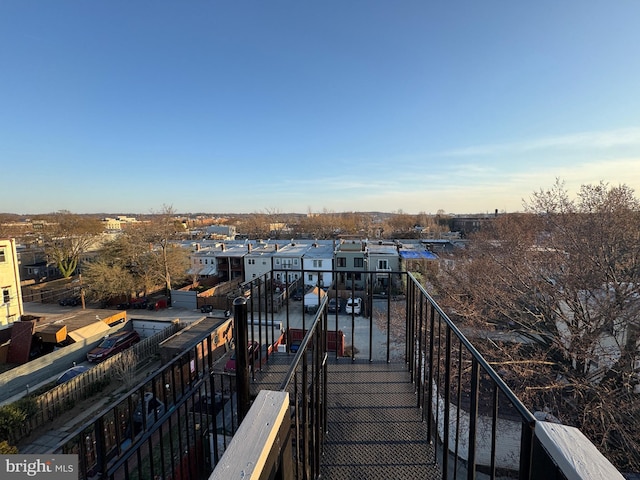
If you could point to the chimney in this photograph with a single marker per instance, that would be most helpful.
(276, 245)
(222, 247)
(249, 247)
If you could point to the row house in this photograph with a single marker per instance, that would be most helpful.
(218, 259)
(317, 264)
(258, 259)
(351, 263)
(384, 258)
(289, 259)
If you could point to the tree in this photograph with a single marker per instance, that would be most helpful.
(564, 275)
(108, 280)
(165, 258)
(124, 368)
(67, 237)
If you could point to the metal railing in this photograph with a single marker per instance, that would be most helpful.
(476, 422)
(479, 427)
(474, 418)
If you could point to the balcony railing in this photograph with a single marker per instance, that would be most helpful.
(478, 426)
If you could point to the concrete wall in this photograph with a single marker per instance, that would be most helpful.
(148, 328)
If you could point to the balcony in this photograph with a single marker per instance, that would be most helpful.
(412, 398)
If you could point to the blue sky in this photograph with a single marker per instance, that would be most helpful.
(246, 106)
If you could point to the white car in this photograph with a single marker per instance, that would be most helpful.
(354, 305)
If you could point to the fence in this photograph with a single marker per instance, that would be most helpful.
(62, 397)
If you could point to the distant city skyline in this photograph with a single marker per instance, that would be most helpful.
(364, 105)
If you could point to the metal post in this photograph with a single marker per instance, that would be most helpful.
(242, 363)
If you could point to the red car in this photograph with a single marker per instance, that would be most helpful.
(253, 350)
(113, 344)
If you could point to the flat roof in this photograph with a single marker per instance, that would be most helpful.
(194, 333)
(417, 254)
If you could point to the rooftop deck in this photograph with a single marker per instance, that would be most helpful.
(375, 429)
(431, 407)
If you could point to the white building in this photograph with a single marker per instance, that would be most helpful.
(258, 259)
(289, 259)
(318, 257)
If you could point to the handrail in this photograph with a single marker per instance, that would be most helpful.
(515, 401)
(303, 345)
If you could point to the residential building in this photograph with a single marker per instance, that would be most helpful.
(383, 259)
(289, 257)
(34, 263)
(317, 264)
(351, 261)
(258, 258)
(203, 260)
(11, 301)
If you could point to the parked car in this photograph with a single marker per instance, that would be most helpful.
(206, 309)
(70, 301)
(153, 409)
(298, 294)
(139, 304)
(113, 344)
(253, 350)
(71, 373)
(336, 305)
(354, 305)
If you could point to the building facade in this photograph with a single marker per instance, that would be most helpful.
(11, 308)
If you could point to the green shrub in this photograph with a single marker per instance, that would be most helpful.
(28, 405)
(11, 418)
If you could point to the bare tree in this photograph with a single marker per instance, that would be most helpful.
(163, 257)
(124, 368)
(564, 275)
(67, 237)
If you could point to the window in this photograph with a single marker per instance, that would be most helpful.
(5, 295)
(358, 262)
(317, 264)
(295, 261)
(342, 261)
(2, 257)
(383, 264)
(310, 278)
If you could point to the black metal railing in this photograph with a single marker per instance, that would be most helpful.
(175, 424)
(475, 421)
(306, 382)
(474, 418)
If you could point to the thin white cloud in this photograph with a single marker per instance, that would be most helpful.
(596, 139)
